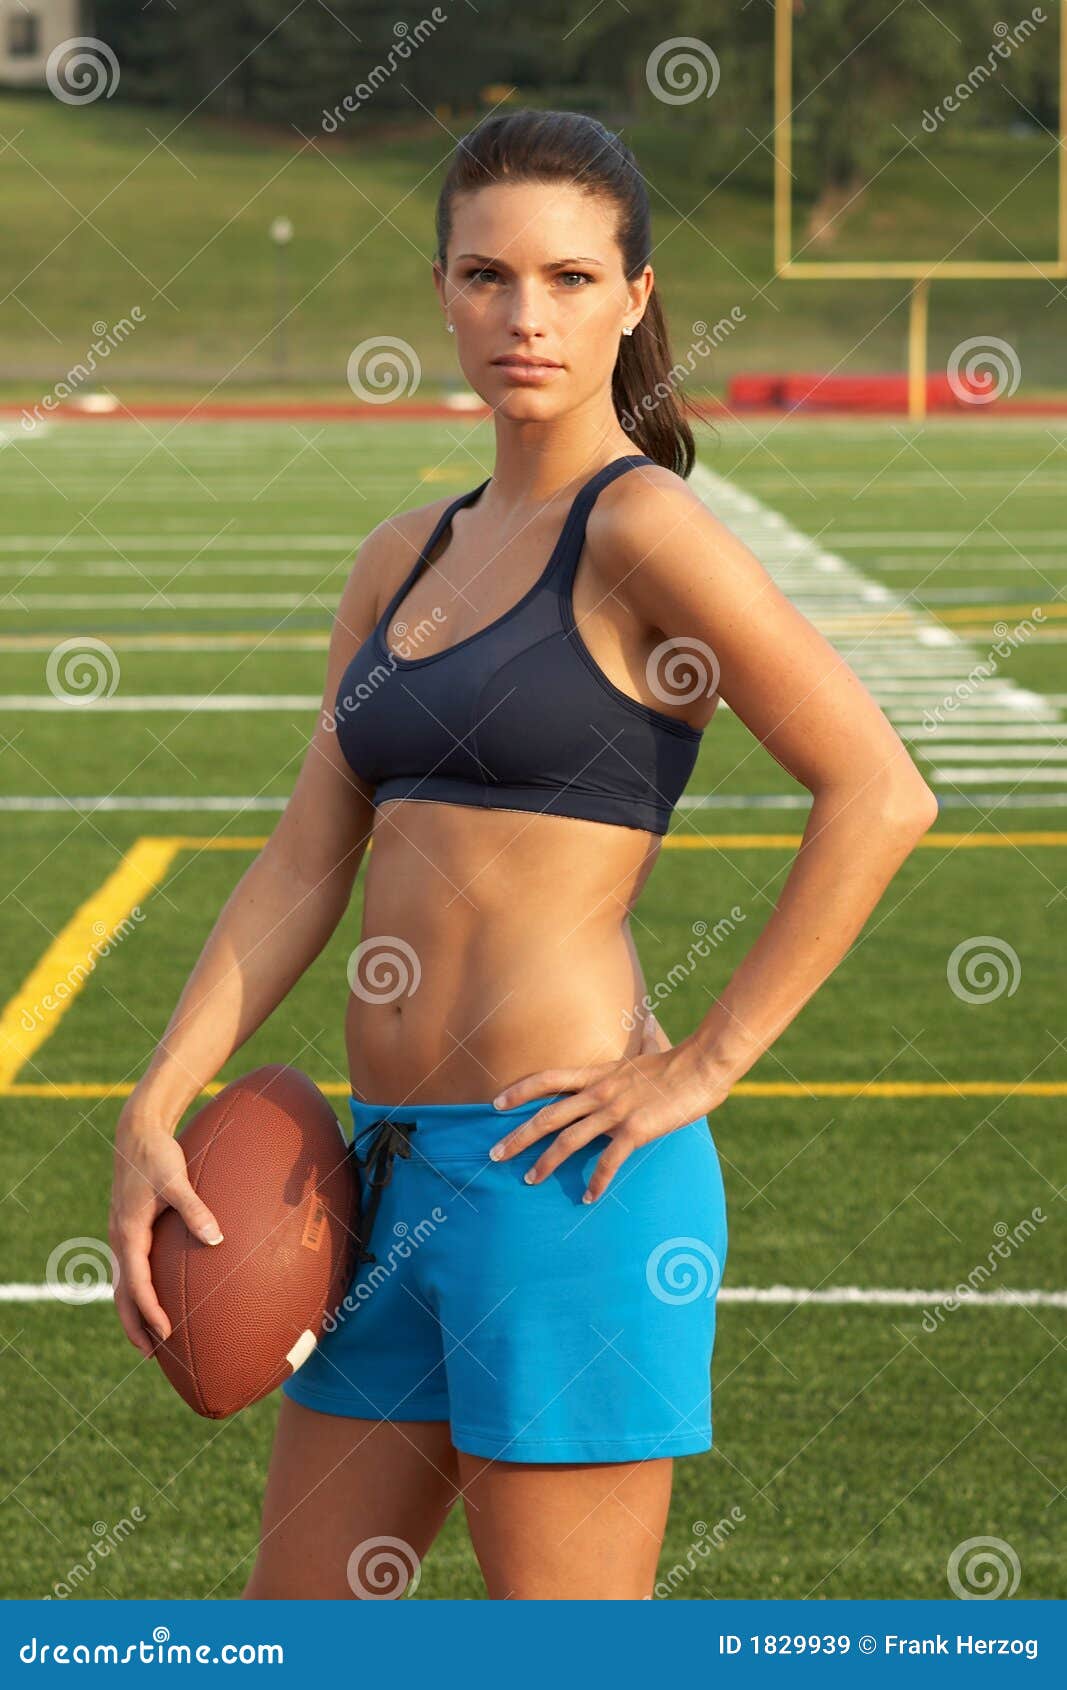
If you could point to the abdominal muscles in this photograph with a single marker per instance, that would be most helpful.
(494, 944)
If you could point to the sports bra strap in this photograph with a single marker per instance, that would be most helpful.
(568, 548)
(571, 541)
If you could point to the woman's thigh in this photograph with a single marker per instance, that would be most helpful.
(563, 1531)
(351, 1506)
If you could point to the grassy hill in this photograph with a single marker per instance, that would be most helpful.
(112, 207)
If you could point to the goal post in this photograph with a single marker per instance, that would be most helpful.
(919, 271)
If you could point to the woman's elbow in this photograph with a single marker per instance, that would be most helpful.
(909, 807)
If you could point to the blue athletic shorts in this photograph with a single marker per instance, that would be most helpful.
(542, 1328)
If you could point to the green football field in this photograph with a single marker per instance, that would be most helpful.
(890, 1369)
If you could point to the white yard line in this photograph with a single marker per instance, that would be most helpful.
(691, 801)
(854, 1296)
(200, 703)
(939, 671)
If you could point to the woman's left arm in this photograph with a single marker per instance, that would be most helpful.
(684, 572)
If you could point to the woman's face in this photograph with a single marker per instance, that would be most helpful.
(534, 272)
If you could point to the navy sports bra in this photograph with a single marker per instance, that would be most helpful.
(519, 715)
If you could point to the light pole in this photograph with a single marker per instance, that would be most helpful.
(281, 233)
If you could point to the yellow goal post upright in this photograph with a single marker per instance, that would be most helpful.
(919, 271)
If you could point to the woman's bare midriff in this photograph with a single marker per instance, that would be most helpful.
(495, 943)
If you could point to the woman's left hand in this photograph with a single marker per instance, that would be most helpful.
(633, 1100)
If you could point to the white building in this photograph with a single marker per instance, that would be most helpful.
(29, 30)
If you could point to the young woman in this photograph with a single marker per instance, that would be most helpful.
(531, 1327)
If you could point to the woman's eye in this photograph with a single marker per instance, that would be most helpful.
(565, 275)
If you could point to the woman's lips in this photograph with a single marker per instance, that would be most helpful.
(527, 375)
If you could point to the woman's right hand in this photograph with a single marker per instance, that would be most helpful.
(150, 1176)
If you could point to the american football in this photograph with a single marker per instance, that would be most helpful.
(269, 1158)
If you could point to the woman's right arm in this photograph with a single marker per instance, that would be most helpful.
(278, 918)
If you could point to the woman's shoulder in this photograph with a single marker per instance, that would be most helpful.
(388, 551)
(640, 514)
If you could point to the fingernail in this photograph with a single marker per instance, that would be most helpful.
(498, 1101)
(496, 1152)
(214, 1237)
(530, 1177)
(587, 1197)
(160, 1335)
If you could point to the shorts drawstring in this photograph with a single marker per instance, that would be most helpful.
(389, 1141)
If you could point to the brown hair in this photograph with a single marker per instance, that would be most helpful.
(556, 146)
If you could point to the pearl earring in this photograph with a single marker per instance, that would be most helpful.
(627, 331)
(451, 328)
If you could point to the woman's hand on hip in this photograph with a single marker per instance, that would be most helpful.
(634, 1100)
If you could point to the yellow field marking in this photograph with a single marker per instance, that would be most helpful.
(50, 988)
(745, 1088)
(934, 841)
(33, 1014)
(971, 613)
(723, 841)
